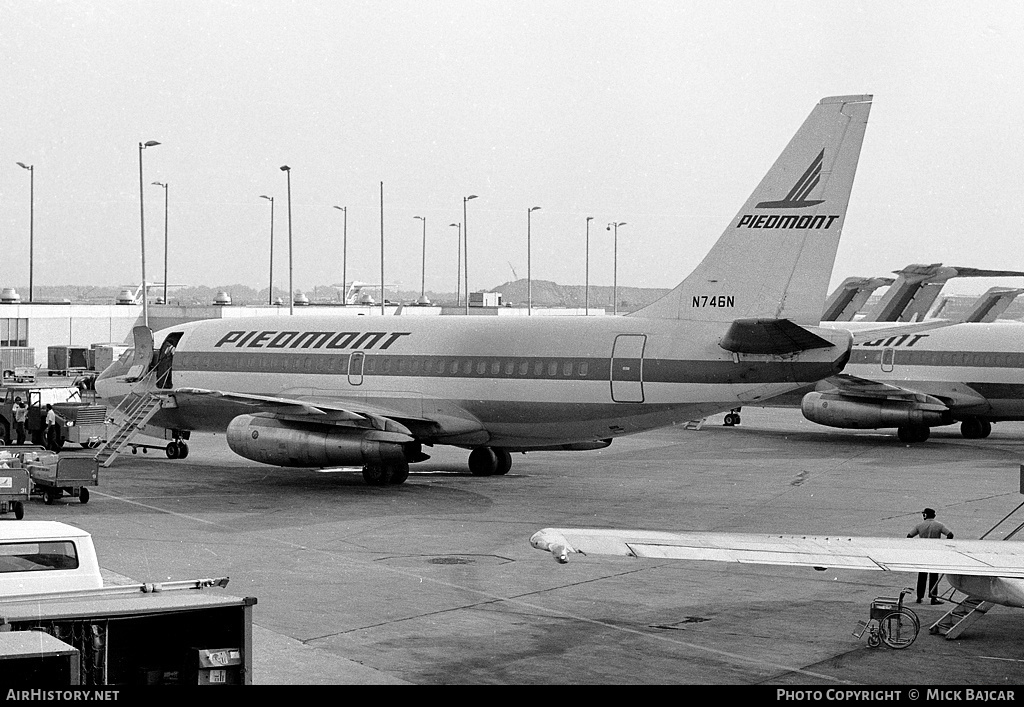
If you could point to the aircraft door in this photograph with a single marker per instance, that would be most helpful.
(165, 360)
(142, 356)
(355, 368)
(888, 358)
(627, 368)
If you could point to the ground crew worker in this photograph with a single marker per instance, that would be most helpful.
(20, 415)
(929, 528)
(51, 427)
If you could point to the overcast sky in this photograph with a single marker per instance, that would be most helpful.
(663, 115)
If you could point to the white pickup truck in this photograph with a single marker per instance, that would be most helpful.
(42, 557)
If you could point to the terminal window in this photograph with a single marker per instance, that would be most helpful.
(13, 332)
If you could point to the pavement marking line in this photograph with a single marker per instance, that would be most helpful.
(497, 598)
(163, 510)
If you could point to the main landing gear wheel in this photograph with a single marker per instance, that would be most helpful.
(384, 474)
(483, 461)
(731, 419)
(490, 461)
(913, 433)
(504, 461)
(975, 428)
(176, 450)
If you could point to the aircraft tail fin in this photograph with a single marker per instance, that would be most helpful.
(775, 258)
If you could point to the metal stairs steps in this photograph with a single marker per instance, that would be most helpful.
(956, 620)
(134, 412)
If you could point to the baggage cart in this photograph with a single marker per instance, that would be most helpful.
(53, 476)
(15, 485)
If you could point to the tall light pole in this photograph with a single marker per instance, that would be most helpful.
(615, 267)
(142, 232)
(586, 288)
(465, 253)
(291, 292)
(344, 252)
(529, 274)
(423, 277)
(382, 301)
(458, 265)
(31, 221)
(269, 297)
(164, 185)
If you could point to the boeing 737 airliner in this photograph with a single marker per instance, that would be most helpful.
(373, 391)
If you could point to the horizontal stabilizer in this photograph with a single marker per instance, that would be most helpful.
(770, 336)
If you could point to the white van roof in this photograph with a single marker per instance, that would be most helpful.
(18, 530)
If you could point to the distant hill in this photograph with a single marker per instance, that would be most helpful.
(551, 294)
(545, 294)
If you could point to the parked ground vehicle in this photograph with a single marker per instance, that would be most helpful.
(175, 632)
(77, 421)
(15, 484)
(43, 556)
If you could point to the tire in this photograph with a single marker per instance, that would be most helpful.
(5, 434)
(83, 495)
(899, 629)
(911, 434)
(504, 461)
(986, 428)
(376, 475)
(171, 450)
(182, 450)
(19, 510)
(483, 461)
(971, 428)
(399, 473)
(49, 497)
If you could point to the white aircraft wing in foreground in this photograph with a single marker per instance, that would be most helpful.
(990, 570)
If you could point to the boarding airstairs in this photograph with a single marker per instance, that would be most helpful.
(134, 411)
(969, 609)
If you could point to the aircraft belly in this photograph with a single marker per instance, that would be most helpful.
(999, 590)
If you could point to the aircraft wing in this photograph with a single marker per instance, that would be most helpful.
(313, 410)
(854, 387)
(882, 331)
(990, 558)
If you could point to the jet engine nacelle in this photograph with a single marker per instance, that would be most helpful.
(998, 590)
(836, 411)
(289, 443)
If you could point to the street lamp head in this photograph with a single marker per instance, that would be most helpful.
(268, 198)
(341, 208)
(151, 143)
(159, 184)
(534, 208)
(471, 196)
(421, 218)
(286, 168)
(590, 218)
(25, 166)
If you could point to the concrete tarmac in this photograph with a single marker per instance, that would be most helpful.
(434, 581)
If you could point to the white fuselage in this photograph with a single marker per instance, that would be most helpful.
(515, 382)
(977, 369)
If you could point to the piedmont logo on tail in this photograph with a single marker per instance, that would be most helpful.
(343, 390)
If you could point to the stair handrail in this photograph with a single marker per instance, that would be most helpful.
(135, 397)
